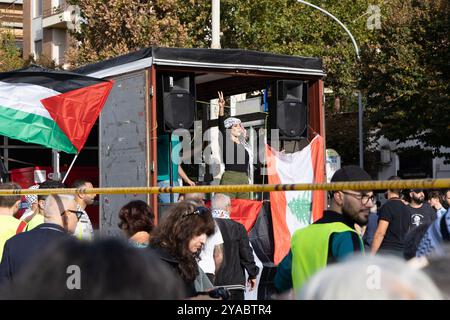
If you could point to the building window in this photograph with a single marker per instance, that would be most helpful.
(37, 8)
(37, 48)
(415, 163)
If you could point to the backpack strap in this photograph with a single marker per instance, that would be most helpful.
(21, 227)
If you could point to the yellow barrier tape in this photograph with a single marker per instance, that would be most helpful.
(356, 185)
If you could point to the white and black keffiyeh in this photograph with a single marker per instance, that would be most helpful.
(231, 121)
(220, 214)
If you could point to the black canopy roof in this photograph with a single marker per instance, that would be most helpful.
(207, 59)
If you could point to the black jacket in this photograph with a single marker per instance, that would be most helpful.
(238, 255)
(164, 255)
(23, 247)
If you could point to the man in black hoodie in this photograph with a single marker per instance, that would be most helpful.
(237, 255)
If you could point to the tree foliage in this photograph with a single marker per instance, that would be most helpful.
(115, 27)
(10, 55)
(287, 27)
(43, 61)
(406, 73)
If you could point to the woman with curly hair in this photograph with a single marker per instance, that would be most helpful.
(179, 238)
(136, 220)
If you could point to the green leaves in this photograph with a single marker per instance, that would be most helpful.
(406, 72)
(117, 27)
(10, 56)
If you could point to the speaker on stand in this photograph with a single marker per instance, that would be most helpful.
(176, 107)
(288, 109)
(176, 101)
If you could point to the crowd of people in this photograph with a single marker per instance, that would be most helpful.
(356, 250)
(163, 258)
(196, 249)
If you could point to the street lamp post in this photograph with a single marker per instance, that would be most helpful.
(360, 106)
(215, 25)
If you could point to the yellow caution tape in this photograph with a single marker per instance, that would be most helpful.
(356, 185)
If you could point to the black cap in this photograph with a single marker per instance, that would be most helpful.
(417, 190)
(350, 173)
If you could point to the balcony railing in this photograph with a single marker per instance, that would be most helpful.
(54, 10)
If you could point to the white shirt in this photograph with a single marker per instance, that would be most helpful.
(207, 255)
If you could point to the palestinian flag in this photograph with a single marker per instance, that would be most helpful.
(56, 109)
(245, 212)
(292, 210)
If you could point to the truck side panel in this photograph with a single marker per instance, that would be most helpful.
(122, 146)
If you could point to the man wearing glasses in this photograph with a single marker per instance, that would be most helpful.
(60, 220)
(331, 238)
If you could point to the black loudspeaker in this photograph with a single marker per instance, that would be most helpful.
(288, 108)
(176, 100)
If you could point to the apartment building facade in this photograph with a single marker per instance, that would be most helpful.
(11, 19)
(46, 26)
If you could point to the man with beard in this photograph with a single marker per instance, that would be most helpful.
(420, 212)
(84, 230)
(331, 238)
(447, 199)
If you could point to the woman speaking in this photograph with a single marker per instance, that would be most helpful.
(236, 152)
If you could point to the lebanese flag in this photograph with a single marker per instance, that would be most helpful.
(292, 210)
(56, 109)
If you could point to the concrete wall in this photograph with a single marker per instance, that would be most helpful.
(46, 6)
(59, 45)
(47, 42)
(27, 28)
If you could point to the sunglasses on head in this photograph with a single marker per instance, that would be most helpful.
(200, 211)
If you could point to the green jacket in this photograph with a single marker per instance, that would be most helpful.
(310, 249)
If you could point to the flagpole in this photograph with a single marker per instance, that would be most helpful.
(56, 175)
(71, 165)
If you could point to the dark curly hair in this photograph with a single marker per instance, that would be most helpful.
(180, 224)
(136, 216)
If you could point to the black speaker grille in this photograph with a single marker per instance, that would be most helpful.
(291, 118)
(179, 108)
